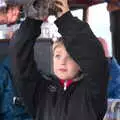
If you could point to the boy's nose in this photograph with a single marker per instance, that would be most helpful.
(63, 61)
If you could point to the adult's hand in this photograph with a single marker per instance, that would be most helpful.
(13, 14)
(10, 15)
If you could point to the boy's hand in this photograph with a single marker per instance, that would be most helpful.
(63, 6)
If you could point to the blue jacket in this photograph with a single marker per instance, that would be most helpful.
(114, 82)
(9, 110)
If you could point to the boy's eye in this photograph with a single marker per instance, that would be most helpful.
(57, 56)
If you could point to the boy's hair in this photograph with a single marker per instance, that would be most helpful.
(57, 43)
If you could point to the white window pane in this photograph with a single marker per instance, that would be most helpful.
(98, 19)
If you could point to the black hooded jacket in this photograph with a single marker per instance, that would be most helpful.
(43, 95)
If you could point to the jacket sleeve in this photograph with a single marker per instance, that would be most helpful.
(5, 92)
(87, 51)
(114, 81)
(26, 76)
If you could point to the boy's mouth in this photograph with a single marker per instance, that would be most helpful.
(62, 69)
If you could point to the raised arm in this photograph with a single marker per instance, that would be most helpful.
(87, 51)
(26, 75)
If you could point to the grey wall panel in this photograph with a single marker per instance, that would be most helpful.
(43, 54)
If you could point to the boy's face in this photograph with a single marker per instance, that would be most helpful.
(64, 66)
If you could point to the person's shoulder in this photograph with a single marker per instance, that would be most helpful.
(5, 69)
(114, 63)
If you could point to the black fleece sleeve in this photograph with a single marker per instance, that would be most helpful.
(26, 75)
(87, 51)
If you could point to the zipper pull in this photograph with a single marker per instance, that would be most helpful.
(65, 85)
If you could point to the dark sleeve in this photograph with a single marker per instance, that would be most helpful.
(26, 76)
(87, 51)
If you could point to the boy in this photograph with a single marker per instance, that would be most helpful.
(79, 64)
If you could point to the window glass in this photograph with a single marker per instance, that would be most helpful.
(78, 13)
(98, 18)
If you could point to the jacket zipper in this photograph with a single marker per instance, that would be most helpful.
(65, 85)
